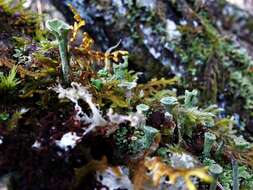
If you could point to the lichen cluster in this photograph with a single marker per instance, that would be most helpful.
(76, 117)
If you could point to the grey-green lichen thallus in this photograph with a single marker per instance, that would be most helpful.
(60, 30)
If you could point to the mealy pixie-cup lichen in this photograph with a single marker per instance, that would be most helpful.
(60, 30)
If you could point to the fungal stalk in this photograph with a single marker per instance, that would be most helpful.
(60, 30)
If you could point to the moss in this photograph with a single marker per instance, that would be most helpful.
(102, 107)
(9, 82)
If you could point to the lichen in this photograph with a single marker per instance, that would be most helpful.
(149, 130)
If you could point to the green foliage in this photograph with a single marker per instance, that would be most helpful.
(188, 115)
(155, 89)
(10, 6)
(118, 89)
(10, 120)
(97, 83)
(240, 143)
(46, 45)
(240, 64)
(227, 133)
(13, 121)
(205, 49)
(4, 116)
(244, 84)
(20, 20)
(20, 42)
(194, 116)
(245, 177)
(21, 57)
(165, 152)
(9, 82)
(112, 93)
(197, 52)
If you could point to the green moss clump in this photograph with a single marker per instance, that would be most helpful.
(10, 81)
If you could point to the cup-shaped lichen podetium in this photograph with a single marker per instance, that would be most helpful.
(208, 143)
(169, 102)
(60, 30)
(216, 170)
(142, 108)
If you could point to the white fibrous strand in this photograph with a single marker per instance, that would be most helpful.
(94, 119)
(68, 141)
(75, 93)
(135, 119)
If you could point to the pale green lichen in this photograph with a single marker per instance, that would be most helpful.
(216, 170)
(208, 143)
(142, 108)
(60, 30)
